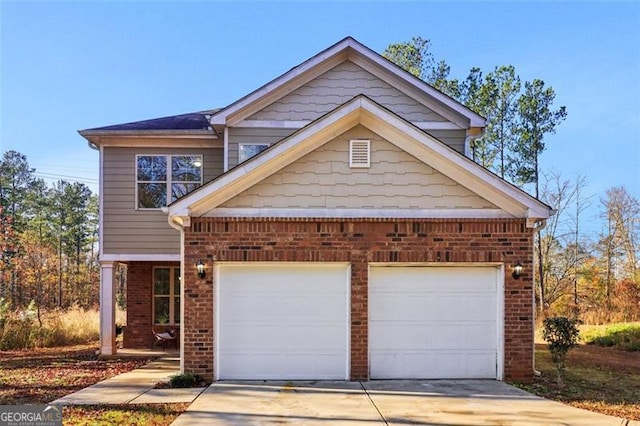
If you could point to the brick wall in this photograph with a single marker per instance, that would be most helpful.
(359, 241)
(137, 334)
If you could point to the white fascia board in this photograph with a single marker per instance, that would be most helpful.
(475, 119)
(269, 89)
(140, 258)
(456, 166)
(360, 213)
(298, 124)
(388, 125)
(267, 162)
(404, 81)
(156, 142)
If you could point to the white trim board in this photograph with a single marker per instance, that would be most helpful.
(362, 213)
(348, 49)
(298, 124)
(140, 258)
(362, 110)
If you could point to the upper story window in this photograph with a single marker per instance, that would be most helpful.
(248, 150)
(162, 179)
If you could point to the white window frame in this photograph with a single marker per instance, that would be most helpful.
(358, 164)
(169, 182)
(171, 296)
(240, 145)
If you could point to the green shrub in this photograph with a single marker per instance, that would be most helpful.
(625, 336)
(185, 380)
(561, 334)
(606, 341)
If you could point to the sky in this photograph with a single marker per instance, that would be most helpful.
(66, 66)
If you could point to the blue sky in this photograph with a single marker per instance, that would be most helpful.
(73, 65)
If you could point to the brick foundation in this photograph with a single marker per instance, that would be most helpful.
(137, 333)
(359, 241)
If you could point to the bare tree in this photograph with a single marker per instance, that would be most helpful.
(622, 212)
(581, 203)
(557, 245)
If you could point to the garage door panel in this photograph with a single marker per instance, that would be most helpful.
(390, 336)
(273, 366)
(481, 336)
(453, 279)
(484, 363)
(433, 322)
(471, 336)
(282, 321)
(410, 307)
(271, 308)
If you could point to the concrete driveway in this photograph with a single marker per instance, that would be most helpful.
(393, 402)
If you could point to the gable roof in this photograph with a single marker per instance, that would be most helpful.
(361, 110)
(348, 49)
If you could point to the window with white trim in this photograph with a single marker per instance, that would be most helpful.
(359, 153)
(166, 295)
(248, 150)
(162, 179)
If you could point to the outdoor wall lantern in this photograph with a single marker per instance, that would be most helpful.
(517, 270)
(200, 269)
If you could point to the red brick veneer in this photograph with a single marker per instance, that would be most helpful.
(137, 334)
(359, 241)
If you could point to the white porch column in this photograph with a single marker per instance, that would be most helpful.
(107, 308)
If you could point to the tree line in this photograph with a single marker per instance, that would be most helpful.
(579, 273)
(49, 234)
(48, 239)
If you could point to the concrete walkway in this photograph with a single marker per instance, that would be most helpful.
(135, 387)
(384, 402)
(389, 402)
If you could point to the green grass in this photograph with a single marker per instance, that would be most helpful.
(625, 336)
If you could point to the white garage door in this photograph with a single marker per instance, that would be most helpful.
(282, 321)
(433, 322)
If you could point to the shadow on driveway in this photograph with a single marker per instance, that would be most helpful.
(393, 402)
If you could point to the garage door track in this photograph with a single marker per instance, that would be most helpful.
(393, 402)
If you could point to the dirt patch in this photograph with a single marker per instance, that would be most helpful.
(604, 380)
(606, 358)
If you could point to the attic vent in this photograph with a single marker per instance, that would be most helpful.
(359, 153)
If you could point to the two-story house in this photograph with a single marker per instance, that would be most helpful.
(328, 225)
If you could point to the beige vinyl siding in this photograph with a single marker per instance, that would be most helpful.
(453, 138)
(323, 179)
(253, 135)
(130, 231)
(336, 87)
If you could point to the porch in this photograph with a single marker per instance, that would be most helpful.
(150, 292)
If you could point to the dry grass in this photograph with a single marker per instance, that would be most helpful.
(600, 379)
(22, 329)
(130, 414)
(74, 326)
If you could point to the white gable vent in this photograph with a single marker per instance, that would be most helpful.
(359, 153)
